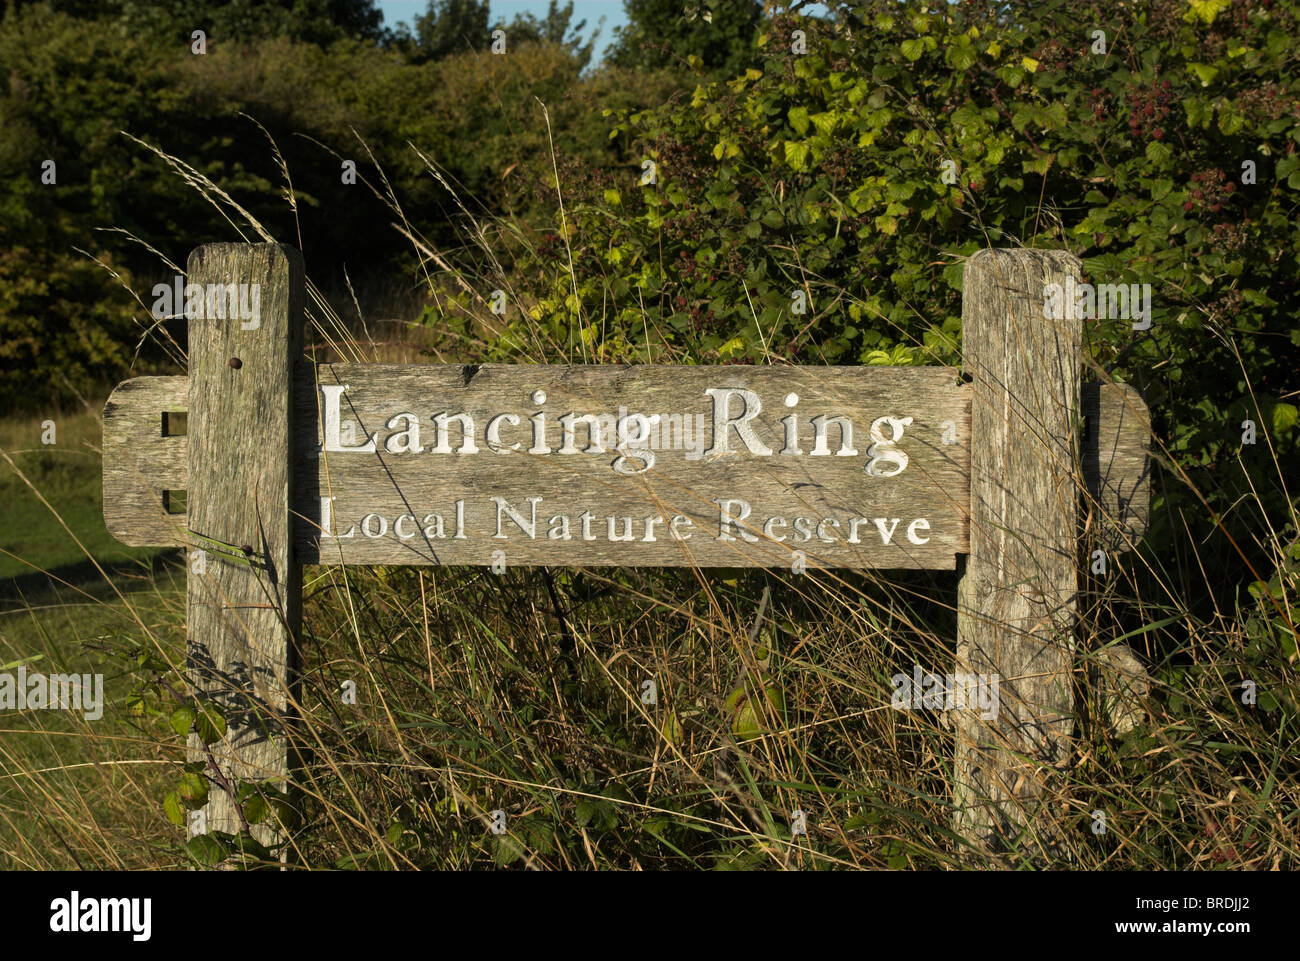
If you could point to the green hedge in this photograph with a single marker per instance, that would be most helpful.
(824, 173)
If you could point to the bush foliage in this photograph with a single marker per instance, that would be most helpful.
(255, 104)
(1169, 159)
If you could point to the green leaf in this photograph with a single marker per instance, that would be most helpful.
(248, 846)
(1230, 120)
(961, 55)
(1288, 638)
(672, 729)
(256, 810)
(192, 790)
(1205, 10)
(206, 849)
(1158, 153)
(900, 190)
(732, 346)
(506, 850)
(799, 120)
(210, 724)
(862, 198)
(182, 720)
(1038, 165)
(1284, 418)
(796, 155)
(172, 808)
(1204, 72)
(1013, 77)
(588, 808)
(825, 122)
(912, 49)
(284, 811)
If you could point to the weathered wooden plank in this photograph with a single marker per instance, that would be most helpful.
(1016, 598)
(140, 463)
(1117, 463)
(242, 616)
(750, 447)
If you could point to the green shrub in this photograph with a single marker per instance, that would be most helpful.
(64, 324)
(824, 174)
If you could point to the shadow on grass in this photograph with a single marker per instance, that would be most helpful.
(19, 592)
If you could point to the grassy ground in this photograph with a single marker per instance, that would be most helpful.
(40, 536)
(76, 792)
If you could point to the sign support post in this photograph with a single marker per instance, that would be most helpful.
(244, 582)
(1016, 600)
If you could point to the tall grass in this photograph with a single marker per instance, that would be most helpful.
(77, 793)
(525, 694)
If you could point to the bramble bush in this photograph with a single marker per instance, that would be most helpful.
(1161, 150)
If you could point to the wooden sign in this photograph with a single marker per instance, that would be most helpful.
(259, 462)
(596, 466)
(632, 466)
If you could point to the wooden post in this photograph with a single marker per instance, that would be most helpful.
(1016, 600)
(244, 598)
(1116, 464)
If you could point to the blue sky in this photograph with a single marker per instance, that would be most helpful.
(589, 10)
(396, 11)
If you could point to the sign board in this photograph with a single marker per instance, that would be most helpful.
(631, 466)
(599, 466)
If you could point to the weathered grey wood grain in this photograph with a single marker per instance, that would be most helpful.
(242, 615)
(1117, 464)
(1016, 599)
(140, 463)
(369, 491)
(1117, 673)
